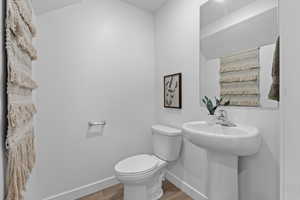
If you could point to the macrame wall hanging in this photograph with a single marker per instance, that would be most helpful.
(20, 31)
(239, 78)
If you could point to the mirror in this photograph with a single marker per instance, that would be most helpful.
(239, 52)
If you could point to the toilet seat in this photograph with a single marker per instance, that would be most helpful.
(137, 165)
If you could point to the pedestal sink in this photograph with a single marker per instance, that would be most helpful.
(224, 145)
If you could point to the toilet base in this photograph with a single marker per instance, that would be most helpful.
(149, 190)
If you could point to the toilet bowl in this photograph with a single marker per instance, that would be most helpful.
(142, 175)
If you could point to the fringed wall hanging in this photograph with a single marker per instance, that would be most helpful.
(20, 31)
(239, 78)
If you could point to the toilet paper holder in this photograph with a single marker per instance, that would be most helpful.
(95, 123)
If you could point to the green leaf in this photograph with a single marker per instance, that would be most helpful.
(209, 103)
(217, 100)
(227, 103)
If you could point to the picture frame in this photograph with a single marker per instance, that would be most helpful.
(173, 91)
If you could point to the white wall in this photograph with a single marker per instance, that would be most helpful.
(290, 109)
(96, 62)
(210, 77)
(177, 44)
(177, 50)
(2, 102)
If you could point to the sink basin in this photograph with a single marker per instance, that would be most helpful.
(239, 140)
(223, 145)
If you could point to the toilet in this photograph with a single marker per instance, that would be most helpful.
(142, 175)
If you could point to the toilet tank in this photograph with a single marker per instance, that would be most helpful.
(166, 142)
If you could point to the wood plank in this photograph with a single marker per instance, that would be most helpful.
(171, 192)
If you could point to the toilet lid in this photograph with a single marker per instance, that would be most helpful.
(137, 164)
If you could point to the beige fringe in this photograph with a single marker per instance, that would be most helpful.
(250, 103)
(239, 78)
(20, 114)
(15, 90)
(242, 100)
(21, 110)
(229, 78)
(241, 57)
(16, 77)
(18, 56)
(14, 23)
(239, 91)
(21, 160)
(26, 46)
(26, 14)
(238, 67)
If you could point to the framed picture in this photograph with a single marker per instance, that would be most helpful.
(173, 91)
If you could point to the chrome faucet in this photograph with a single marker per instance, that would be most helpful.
(222, 119)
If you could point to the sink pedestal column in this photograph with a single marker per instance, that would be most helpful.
(222, 176)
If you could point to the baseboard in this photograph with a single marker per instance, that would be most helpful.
(85, 190)
(105, 183)
(185, 187)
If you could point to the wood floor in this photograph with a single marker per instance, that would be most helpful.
(171, 192)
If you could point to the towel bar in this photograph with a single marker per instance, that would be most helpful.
(101, 123)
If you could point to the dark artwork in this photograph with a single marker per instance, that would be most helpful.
(172, 91)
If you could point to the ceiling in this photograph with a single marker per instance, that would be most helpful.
(42, 6)
(150, 5)
(213, 10)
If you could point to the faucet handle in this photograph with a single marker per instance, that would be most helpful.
(223, 114)
(223, 119)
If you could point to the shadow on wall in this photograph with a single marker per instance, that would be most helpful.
(3, 101)
(263, 164)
